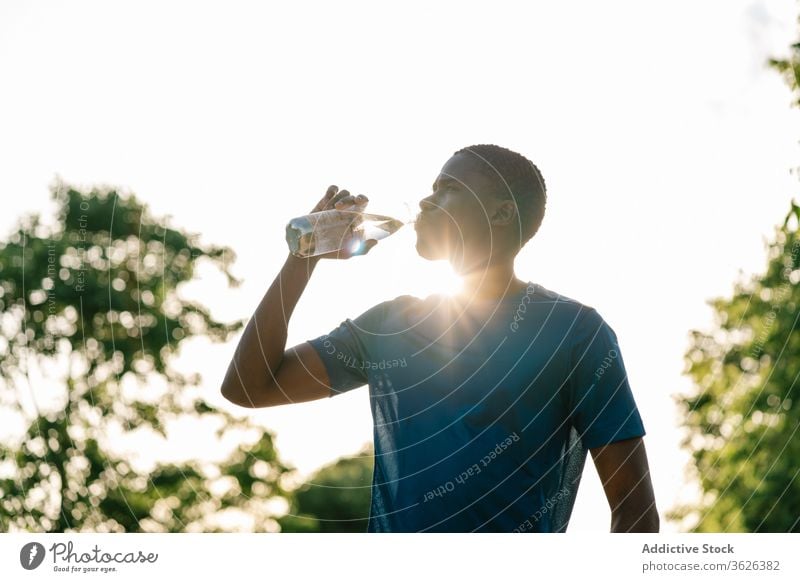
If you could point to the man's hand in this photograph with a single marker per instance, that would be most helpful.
(336, 199)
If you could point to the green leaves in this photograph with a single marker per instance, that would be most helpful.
(744, 416)
(335, 499)
(94, 300)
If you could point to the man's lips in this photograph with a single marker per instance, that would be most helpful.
(421, 220)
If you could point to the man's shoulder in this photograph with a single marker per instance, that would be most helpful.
(544, 295)
(565, 305)
(584, 320)
(535, 291)
(387, 308)
(400, 303)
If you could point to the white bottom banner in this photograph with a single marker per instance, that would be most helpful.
(388, 557)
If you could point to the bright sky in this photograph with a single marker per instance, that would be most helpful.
(665, 143)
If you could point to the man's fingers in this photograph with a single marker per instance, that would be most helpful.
(349, 200)
(325, 201)
(340, 199)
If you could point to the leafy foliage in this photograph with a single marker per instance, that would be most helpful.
(744, 417)
(335, 499)
(91, 309)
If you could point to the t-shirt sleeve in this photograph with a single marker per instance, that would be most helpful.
(603, 409)
(345, 349)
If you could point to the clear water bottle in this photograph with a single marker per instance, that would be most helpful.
(332, 230)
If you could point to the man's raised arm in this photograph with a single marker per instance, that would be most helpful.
(262, 371)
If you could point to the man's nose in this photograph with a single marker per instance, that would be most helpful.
(426, 204)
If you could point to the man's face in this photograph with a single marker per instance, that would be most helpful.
(462, 220)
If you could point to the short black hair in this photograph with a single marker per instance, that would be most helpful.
(519, 179)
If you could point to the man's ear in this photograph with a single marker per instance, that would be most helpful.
(505, 213)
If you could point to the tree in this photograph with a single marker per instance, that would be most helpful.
(335, 499)
(744, 417)
(91, 309)
(790, 70)
(743, 420)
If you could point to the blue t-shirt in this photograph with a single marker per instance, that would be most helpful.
(482, 414)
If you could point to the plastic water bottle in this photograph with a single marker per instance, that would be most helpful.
(332, 230)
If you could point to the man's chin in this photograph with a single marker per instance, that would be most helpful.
(426, 252)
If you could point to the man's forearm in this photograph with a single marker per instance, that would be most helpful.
(260, 350)
(635, 520)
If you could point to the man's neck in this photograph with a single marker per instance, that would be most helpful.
(493, 281)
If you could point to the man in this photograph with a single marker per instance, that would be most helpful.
(484, 403)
